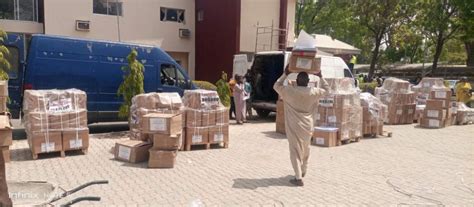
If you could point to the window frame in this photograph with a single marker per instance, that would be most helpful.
(164, 19)
(108, 7)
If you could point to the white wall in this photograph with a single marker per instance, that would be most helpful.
(140, 23)
(264, 12)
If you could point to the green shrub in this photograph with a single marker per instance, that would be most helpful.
(132, 83)
(205, 85)
(368, 87)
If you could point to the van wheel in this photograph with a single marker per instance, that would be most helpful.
(262, 113)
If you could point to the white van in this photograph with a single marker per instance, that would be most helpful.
(267, 67)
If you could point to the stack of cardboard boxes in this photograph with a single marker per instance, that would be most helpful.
(56, 121)
(5, 126)
(400, 100)
(280, 117)
(437, 112)
(339, 109)
(156, 127)
(207, 121)
(374, 113)
(465, 115)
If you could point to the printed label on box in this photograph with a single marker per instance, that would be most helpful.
(197, 139)
(440, 94)
(63, 105)
(304, 63)
(213, 100)
(158, 124)
(319, 141)
(48, 147)
(124, 152)
(433, 123)
(433, 113)
(75, 143)
(326, 102)
(399, 112)
(332, 119)
(219, 137)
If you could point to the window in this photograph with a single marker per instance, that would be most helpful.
(171, 76)
(14, 60)
(108, 7)
(172, 15)
(24, 10)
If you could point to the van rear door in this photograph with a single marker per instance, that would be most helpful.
(16, 45)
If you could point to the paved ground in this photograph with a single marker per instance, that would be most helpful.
(415, 167)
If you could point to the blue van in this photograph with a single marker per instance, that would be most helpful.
(55, 62)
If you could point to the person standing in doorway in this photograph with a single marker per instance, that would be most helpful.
(232, 83)
(299, 103)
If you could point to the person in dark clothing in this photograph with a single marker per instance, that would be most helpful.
(417, 79)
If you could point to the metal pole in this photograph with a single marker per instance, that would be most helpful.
(118, 22)
(271, 38)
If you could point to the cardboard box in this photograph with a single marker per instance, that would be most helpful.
(333, 115)
(162, 158)
(439, 114)
(309, 64)
(162, 123)
(58, 121)
(133, 151)
(465, 117)
(197, 135)
(218, 134)
(325, 137)
(337, 100)
(6, 153)
(166, 142)
(395, 114)
(201, 99)
(208, 118)
(3, 103)
(76, 139)
(4, 88)
(193, 118)
(5, 131)
(222, 116)
(78, 119)
(437, 104)
(432, 123)
(441, 94)
(44, 142)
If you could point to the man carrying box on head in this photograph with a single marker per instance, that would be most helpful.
(300, 102)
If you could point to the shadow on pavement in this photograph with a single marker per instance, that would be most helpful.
(274, 135)
(252, 184)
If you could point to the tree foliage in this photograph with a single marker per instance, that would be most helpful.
(4, 53)
(132, 84)
(390, 31)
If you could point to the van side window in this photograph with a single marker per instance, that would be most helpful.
(14, 61)
(171, 76)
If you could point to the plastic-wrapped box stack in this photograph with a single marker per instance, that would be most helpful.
(400, 100)
(339, 109)
(5, 126)
(437, 100)
(56, 121)
(156, 129)
(207, 121)
(374, 113)
(280, 117)
(143, 104)
(465, 115)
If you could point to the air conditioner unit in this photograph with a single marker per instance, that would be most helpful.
(184, 33)
(82, 25)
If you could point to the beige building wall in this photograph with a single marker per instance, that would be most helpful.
(291, 17)
(263, 12)
(140, 23)
(21, 26)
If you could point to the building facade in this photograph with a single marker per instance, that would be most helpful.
(201, 35)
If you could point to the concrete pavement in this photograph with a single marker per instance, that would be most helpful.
(414, 167)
